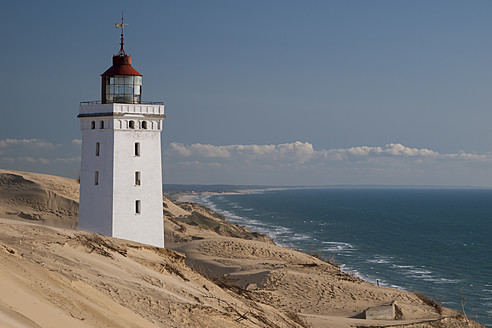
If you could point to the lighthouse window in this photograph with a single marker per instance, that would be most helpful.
(119, 79)
(137, 148)
(122, 89)
(138, 208)
(93, 125)
(144, 125)
(137, 178)
(96, 178)
(101, 125)
(98, 146)
(132, 124)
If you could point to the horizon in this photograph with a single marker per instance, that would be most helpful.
(278, 93)
(225, 188)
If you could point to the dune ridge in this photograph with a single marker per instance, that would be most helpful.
(212, 273)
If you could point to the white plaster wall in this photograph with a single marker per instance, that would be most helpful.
(96, 202)
(109, 208)
(146, 227)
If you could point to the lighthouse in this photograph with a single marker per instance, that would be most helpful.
(121, 170)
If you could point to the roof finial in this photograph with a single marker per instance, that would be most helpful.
(122, 26)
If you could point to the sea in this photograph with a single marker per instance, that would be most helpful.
(434, 241)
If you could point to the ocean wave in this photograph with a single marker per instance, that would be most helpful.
(380, 259)
(402, 266)
(300, 237)
(337, 246)
(281, 235)
(438, 280)
(368, 278)
(420, 271)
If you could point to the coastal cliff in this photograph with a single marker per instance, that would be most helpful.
(212, 273)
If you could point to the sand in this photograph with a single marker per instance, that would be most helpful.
(43, 198)
(213, 274)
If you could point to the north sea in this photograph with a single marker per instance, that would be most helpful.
(434, 241)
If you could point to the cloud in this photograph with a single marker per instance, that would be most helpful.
(38, 143)
(37, 155)
(300, 163)
(303, 153)
(297, 152)
(389, 150)
(27, 159)
(68, 159)
(7, 160)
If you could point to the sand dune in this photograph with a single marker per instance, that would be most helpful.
(43, 198)
(213, 274)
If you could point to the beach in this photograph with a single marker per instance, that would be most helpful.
(212, 273)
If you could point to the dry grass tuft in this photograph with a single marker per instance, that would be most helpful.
(100, 245)
(430, 302)
(297, 319)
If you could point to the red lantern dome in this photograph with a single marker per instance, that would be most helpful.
(121, 83)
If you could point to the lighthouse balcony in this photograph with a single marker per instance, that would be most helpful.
(94, 108)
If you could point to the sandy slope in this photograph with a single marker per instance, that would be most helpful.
(217, 274)
(59, 278)
(43, 198)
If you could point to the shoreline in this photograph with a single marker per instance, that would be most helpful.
(184, 197)
(419, 284)
(212, 273)
(191, 198)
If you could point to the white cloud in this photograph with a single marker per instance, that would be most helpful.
(7, 160)
(38, 143)
(27, 159)
(37, 155)
(298, 152)
(211, 151)
(180, 149)
(303, 153)
(391, 150)
(68, 159)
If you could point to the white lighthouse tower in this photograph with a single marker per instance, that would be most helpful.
(121, 177)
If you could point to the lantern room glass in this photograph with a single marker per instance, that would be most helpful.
(123, 89)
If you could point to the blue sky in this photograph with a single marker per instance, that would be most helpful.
(263, 92)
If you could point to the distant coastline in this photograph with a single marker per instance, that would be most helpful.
(188, 192)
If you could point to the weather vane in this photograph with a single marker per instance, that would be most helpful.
(122, 26)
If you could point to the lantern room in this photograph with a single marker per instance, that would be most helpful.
(121, 83)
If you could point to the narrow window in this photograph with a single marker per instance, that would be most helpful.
(137, 178)
(93, 125)
(137, 207)
(137, 148)
(144, 125)
(132, 124)
(101, 125)
(96, 178)
(98, 147)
